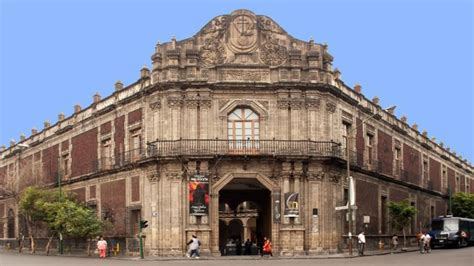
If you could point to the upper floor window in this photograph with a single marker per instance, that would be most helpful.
(346, 128)
(397, 156)
(243, 124)
(370, 148)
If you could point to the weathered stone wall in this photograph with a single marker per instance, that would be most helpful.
(50, 164)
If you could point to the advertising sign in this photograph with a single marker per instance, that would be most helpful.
(198, 195)
(292, 205)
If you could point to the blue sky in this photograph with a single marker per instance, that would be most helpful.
(415, 54)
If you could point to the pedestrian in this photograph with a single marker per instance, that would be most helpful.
(194, 244)
(421, 242)
(361, 241)
(102, 247)
(394, 242)
(248, 247)
(238, 247)
(426, 242)
(267, 247)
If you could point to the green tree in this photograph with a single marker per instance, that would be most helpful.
(31, 204)
(401, 214)
(69, 218)
(463, 205)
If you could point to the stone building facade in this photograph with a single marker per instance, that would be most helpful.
(241, 114)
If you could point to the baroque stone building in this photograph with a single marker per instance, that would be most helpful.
(239, 131)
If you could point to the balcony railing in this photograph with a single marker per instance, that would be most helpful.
(191, 147)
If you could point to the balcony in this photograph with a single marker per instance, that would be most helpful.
(211, 147)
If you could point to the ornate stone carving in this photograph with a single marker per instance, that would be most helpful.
(312, 103)
(174, 102)
(153, 177)
(334, 178)
(271, 52)
(283, 104)
(242, 32)
(205, 103)
(155, 104)
(316, 175)
(330, 107)
(192, 102)
(174, 175)
(244, 75)
(213, 51)
(297, 104)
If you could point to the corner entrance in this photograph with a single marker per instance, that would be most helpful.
(244, 213)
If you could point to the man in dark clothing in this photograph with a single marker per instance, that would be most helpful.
(248, 247)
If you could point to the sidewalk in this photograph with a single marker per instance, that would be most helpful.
(253, 257)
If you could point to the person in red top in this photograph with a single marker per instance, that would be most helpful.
(267, 247)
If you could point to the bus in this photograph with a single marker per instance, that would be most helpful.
(451, 231)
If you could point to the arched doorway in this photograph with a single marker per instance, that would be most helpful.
(11, 224)
(245, 212)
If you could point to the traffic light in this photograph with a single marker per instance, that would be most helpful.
(143, 224)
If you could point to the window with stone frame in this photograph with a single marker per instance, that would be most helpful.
(458, 183)
(425, 171)
(105, 154)
(135, 217)
(346, 128)
(370, 148)
(397, 157)
(243, 128)
(135, 144)
(444, 178)
(65, 165)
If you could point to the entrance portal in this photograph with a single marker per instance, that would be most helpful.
(244, 213)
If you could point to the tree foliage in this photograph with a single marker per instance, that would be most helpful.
(463, 205)
(402, 214)
(63, 215)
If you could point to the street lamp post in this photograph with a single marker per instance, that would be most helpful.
(61, 247)
(348, 165)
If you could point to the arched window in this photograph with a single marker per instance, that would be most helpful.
(11, 224)
(243, 124)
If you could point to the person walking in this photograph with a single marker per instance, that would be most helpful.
(238, 247)
(248, 247)
(361, 241)
(194, 244)
(102, 247)
(426, 243)
(267, 247)
(394, 242)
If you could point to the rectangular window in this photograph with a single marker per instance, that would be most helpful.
(105, 154)
(346, 128)
(135, 144)
(65, 165)
(135, 222)
(370, 148)
(425, 170)
(397, 157)
(432, 214)
(444, 179)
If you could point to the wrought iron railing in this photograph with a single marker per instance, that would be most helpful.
(193, 147)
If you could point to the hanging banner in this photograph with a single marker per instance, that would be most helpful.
(292, 205)
(198, 195)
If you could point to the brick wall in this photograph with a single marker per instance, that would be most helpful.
(360, 146)
(435, 174)
(65, 145)
(112, 197)
(440, 208)
(463, 184)
(84, 153)
(50, 164)
(471, 186)
(134, 116)
(397, 195)
(135, 188)
(424, 212)
(385, 153)
(411, 165)
(119, 135)
(79, 194)
(452, 180)
(105, 128)
(26, 173)
(367, 202)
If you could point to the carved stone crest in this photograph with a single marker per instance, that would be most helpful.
(242, 33)
(213, 52)
(174, 101)
(155, 104)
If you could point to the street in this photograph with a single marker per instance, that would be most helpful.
(445, 257)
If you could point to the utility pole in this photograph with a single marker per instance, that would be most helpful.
(61, 247)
